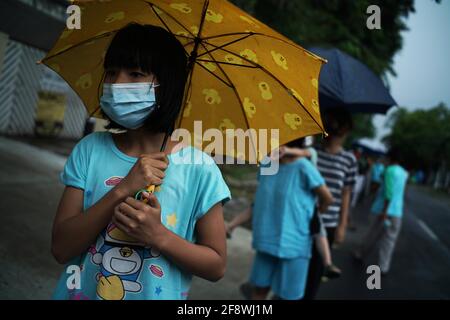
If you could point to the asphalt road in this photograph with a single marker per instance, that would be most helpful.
(29, 194)
(421, 262)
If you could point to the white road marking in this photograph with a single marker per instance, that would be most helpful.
(427, 230)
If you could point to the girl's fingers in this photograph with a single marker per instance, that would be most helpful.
(159, 164)
(122, 227)
(152, 200)
(129, 208)
(158, 173)
(159, 155)
(135, 204)
(117, 220)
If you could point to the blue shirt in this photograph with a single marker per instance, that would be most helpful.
(392, 189)
(377, 172)
(283, 207)
(114, 267)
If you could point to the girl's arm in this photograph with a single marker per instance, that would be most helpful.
(74, 230)
(206, 258)
(240, 219)
(325, 197)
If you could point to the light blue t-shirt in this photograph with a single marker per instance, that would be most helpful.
(392, 189)
(283, 207)
(377, 172)
(114, 267)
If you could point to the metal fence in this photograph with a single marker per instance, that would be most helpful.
(20, 81)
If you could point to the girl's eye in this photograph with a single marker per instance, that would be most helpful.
(136, 74)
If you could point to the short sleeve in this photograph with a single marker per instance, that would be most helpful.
(389, 181)
(75, 170)
(350, 175)
(212, 189)
(313, 178)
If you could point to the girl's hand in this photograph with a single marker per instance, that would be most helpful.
(148, 170)
(140, 220)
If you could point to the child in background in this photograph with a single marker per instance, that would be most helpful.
(283, 208)
(296, 149)
(338, 167)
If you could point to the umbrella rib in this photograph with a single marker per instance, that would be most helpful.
(79, 44)
(170, 16)
(191, 67)
(275, 78)
(233, 87)
(165, 25)
(160, 19)
(290, 43)
(224, 45)
(230, 34)
(228, 63)
(227, 84)
(202, 19)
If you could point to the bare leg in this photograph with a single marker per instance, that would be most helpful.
(323, 248)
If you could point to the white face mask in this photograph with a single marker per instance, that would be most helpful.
(128, 104)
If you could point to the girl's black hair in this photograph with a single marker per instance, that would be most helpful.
(153, 50)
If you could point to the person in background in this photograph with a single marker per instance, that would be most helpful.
(339, 168)
(376, 175)
(282, 211)
(388, 211)
(360, 181)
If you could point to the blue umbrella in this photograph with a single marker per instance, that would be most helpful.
(348, 83)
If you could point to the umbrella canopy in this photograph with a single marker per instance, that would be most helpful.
(348, 83)
(243, 74)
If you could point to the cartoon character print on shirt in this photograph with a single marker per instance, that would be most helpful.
(121, 260)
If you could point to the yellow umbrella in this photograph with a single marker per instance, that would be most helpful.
(243, 74)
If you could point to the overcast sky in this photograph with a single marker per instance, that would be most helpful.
(423, 64)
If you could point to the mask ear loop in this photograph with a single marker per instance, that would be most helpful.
(155, 85)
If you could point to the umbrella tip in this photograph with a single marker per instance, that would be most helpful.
(39, 62)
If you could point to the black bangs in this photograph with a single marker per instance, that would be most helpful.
(153, 50)
(128, 50)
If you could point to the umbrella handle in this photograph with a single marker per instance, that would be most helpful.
(149, 189)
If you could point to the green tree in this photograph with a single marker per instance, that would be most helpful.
(340, 24)
(421, 136)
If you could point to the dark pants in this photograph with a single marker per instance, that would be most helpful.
(315, 270)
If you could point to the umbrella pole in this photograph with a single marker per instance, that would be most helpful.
(164, 143)
(151, 188)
